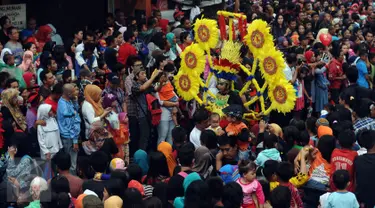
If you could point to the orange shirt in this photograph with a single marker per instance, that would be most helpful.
(235, 129)
(166, 92)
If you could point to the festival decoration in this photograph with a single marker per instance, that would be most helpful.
(258, 37)
(207, 34)
(187, 86)
(275, 94)
(193, 60)
(282, 95)
(272, 64)
(325, 38)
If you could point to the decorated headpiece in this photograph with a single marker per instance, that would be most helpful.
(226, 67)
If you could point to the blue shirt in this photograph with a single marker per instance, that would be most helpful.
(342, 200)
(68, 119)
(362, 72)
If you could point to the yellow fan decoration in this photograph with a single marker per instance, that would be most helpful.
(193, 60)
(187, 86)
(207, 33)
(271, 64)
(282, 96)
(258, 37)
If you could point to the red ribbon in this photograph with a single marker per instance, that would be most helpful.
(223, 32)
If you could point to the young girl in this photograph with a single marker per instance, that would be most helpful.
(299, 84)
(118, 127)
(252, 189)
(48, 135)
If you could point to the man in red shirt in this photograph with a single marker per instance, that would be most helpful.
(163, 23)
(336, 75)
(53, 99)
(127, 49)
(343, 159)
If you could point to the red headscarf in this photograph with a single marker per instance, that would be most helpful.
(43, 36)
(27, 77)
(308, 56)
(43, 32)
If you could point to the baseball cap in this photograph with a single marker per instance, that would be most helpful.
(113, 78)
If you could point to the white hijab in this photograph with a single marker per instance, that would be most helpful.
(3, 52)
(51, 124)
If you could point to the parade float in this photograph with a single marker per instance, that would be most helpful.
(226, 36)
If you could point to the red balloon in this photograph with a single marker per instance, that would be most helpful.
(325, 39)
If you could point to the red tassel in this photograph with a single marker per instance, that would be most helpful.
(240, 28)
(233, 31)
(223, 32)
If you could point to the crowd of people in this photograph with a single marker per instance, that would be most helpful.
(94, 120)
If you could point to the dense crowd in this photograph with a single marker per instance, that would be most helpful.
(93, 120)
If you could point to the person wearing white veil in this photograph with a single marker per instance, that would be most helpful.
(48, 135)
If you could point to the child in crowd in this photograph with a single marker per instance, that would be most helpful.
(343, 159)
(284, 174)
(251, 188)
(166, 92)
(238, 129)
(342, 197)
(49, 134)
(270, 152)
(281, 197)
(215, 124)
(179, 137)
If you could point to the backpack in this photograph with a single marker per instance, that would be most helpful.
(153, 106)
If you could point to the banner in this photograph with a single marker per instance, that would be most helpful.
(16, 14)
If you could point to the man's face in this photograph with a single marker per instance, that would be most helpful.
(31, 24)
(142, 76)
(158, 15)
(302, 16)
(187, 24)
(50, 79)
(327, 17)
(228, 151)
(53, 66)
(369, 37)
(15, 35)
(79, 35)
(137, 65)
(90, 39)
(14, 85)
(316, 18)
(110, 21)
(293, 25)
(119, 40)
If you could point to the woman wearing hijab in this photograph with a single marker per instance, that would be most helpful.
(11, 110)
(203, 161)
(30, 80)
(175, 50)
(140, 158)
(92, 109)
(166, 149)
(99, 139)
(180, 201)
(48, 135)
(43, 36)
(27, 64)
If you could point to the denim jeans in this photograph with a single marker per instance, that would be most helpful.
(165, 131)
(68, 148)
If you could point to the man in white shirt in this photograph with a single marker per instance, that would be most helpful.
(201, 118)
(88, 38)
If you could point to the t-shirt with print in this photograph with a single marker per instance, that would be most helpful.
(17, 51)
(343, 159)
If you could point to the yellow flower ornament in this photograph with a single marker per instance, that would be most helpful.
(207, 33)
(282, 95)
(258, 37)
(271, 64)
(193, 60)
(187, 86)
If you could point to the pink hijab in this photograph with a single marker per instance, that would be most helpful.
(26, 61)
